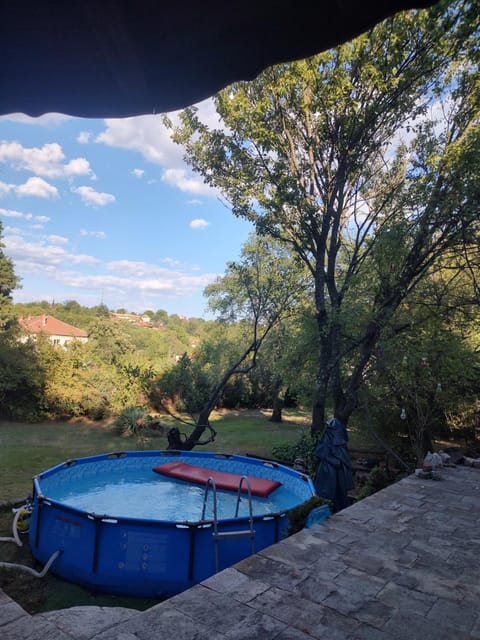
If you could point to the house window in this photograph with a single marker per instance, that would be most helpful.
(56, 341)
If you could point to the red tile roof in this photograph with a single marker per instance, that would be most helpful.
(51, 326)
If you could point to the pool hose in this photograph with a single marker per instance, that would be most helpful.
(37, 574)
(20, 514)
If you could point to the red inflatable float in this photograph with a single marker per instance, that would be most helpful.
(261, 487)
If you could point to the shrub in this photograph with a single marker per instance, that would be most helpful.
(377, 479)
(303, 449)
(131, 420)
(297, 516)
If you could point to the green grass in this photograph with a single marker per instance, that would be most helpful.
(250, 432)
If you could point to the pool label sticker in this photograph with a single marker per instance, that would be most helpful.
(147, 552)
(66, 527)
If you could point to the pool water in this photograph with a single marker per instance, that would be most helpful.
(147, 495)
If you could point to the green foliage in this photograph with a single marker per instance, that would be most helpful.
(108, 342)
(297, 517)
(22, 382)
(238, 393)
(131, 420)
(21, 375)
(377, 480)
(8, 280)
(303, 449)
(423, 382)
(184, 386)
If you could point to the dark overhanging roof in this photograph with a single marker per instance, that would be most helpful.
(116, 58)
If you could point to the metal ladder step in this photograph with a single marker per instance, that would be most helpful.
(246, 533)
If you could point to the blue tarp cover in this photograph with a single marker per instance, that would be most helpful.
(334, 477)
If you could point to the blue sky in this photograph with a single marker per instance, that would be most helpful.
(106, 210)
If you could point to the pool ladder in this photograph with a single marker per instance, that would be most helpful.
(229, 535)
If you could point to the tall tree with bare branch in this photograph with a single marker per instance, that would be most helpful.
(365, 161)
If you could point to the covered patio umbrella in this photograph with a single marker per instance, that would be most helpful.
(118, 58)
(334, 477)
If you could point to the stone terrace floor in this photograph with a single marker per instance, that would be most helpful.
(402, 564)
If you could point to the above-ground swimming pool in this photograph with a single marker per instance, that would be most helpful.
(122, 528)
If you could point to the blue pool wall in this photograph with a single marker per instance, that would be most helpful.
(141, 557)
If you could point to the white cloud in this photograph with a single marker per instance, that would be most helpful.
(92, 197)
(154, 279)
(129, 267)
(11, 213)
(47, 161)
(144, 134)
(95, 234)
(54, 239)
(207, 114)
(5, 188)
(144, 285)
(78, 167)
(148, 135)
(138, 173)
(32, 257)
(42, 219)
(195, 203)
(38, 188)
(84, 137)
(199, 223)
(45, 120)
(138, 282)
(171, 261)
(179, 178)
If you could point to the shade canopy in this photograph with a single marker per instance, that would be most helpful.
(115, 58)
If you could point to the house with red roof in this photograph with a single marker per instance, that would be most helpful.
(57, 331)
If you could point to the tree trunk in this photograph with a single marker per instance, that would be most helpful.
(277, 406)
(324, 374)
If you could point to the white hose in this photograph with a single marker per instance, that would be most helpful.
(16, 537)
(37, 574)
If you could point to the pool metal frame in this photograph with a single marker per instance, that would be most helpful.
(134, 556)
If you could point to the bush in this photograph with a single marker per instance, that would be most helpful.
(303, 449)
(297, 516)
(131, 420)
(377, 479)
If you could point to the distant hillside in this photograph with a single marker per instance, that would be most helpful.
(158, 336)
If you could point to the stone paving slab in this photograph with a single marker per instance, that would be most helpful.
(403, 564)
(85, 622)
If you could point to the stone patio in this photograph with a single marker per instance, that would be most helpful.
(402, 564)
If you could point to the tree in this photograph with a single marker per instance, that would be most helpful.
(108, 342)
(21, 378)
(423, 383)
(277, 368)
(310, 155)
(256, 293)
(22, 381)
(8, 282)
